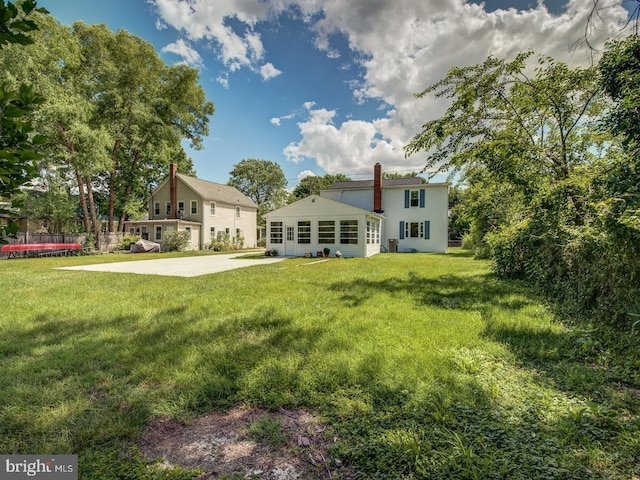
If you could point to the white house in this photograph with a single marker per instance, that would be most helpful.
(314, 223)
(208, 211)
(416, 213)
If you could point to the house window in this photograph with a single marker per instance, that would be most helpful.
(132, 230)
(415, 198)
(304, 231)
(275, 232)
(412, 230)
(156, 208)
(194, 207)
(326, 231)
(180, 208)
(168, 208)
(188, 229)
(349, 231)
(237, 212)
(212, 233)
(158, 236)
(290, 234)
(373, 232)
(212, 209)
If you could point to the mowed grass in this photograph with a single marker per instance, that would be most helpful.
(423, 365)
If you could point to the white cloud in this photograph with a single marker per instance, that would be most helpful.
(402, 46)
(408, 45)
(181, 48)
(268, 71)
(208, 20)
(275, 121)
(305, 174)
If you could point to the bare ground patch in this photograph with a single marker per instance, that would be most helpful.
(222, 444)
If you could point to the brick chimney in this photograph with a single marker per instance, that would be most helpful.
(173, 190)
(377, 188)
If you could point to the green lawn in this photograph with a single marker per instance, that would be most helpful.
(424, 366)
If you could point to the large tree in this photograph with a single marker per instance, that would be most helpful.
(528, 133)
(18, 140)
(147, 107)
(311, 185)
(263, 181)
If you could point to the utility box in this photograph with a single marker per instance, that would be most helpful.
(393, 245)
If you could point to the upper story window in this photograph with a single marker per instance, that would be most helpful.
(181, 208)
(194, 207)
(237, 212)
(168, 208)
(415, 198)
(212, 209)
(156, 208)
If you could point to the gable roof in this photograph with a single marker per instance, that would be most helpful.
(216, 191)
(386, 182)
(322, 206)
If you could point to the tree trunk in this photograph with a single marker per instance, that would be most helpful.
(112, 184)
(94, 215)
(83, 201)
(128, 190)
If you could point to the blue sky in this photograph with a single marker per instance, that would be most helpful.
(326, 86)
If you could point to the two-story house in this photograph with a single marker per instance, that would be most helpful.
(362, 218)
(208, 211)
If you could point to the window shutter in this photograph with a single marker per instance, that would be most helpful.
(422, 193)
(401, 231)
(407, 195)
(427, 227)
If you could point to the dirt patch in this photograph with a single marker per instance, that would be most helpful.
(239, 444)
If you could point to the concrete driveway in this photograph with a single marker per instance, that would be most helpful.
(180, 267)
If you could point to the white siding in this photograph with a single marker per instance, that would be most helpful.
(435, 211)
(314, 210)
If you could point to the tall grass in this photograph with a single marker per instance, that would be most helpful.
(425, 366)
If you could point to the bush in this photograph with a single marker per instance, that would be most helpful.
(175, 241)
(262, 243)
(125, 243)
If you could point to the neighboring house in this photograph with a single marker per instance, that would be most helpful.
(314, 223)
(416, 214)
(208, 211)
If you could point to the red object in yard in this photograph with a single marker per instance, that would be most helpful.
(21, 249)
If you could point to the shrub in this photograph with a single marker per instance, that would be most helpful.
(176, 241)
(125, 243)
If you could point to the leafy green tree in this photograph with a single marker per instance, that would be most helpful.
(620, 78)
(403, 175)
(263, 181)
(18, 140)
(518, 133)
(311, 185)
(147, 107)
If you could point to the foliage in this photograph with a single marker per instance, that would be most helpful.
(551, 197)
(18, 139)
(422, 366)
(115, 113)
(311, 185)
(126, 241)
(176, 241)
(263, 181)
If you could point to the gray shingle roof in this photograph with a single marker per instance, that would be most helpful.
(217, 191)
(386, 182)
